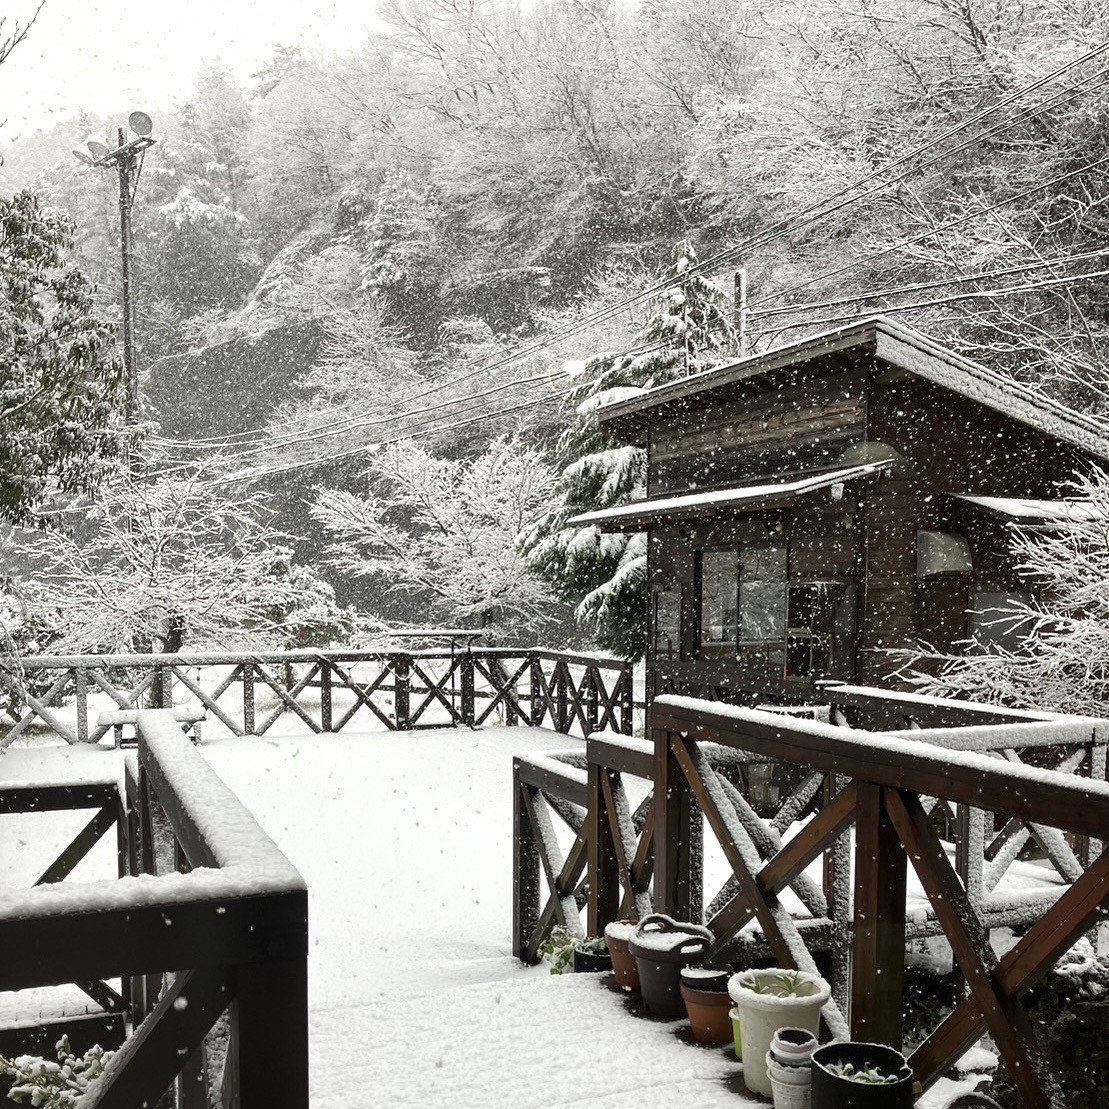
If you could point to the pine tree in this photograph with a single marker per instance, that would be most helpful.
(606, 573)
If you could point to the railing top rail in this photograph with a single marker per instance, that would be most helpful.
(1045, 796)
(947, 708)
(231, 658)
(1061, 731)
(245, 862)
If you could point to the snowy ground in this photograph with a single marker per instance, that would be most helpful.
(405, 841)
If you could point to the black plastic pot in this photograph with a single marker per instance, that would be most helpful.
(662, 946)
(706, 979)
(831, 1091)
(588, 962)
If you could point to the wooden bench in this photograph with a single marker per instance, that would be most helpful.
(118, 718)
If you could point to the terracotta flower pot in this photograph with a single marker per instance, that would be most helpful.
(617, 937)
(708, 1014)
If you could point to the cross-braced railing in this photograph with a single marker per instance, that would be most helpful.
(897, 795)
(225, 928)
(78, 697)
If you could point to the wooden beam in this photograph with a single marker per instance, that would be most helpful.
(149, 1061)
(82, 844)
(607, 865)
(672, 839)
(878, 951)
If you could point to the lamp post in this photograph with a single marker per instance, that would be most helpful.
(126, 158)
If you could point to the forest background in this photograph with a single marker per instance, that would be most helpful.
(443, 241)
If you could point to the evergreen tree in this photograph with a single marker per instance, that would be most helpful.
(62, 386)
(606, 573)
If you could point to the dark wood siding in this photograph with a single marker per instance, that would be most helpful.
(804, 426)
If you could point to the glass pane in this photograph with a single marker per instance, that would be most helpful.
(668, 615)
(996, 619)
(718, 603)
(762, 595)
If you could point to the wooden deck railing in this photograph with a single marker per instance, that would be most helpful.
(225, 928)
(326, 691)
(885, 786)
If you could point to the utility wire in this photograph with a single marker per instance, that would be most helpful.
(939, 282)
(777, 294)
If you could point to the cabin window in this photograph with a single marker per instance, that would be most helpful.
(752, 613)
(668, 625)
(996, 620)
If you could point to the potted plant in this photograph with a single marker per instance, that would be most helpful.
(705, 993)
(618, 934)
(769, 999)
(662, 946)
(582, 954)
(860, 1076)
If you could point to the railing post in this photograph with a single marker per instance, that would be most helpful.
(878, 952)
(673, 821)
(627, 700)
(469, 706)
(562, 680)
(837, 889)
(248, 698)
(538, 706)
(603, 872)
(525, 870)
(269, 1020)
(325, 695)
(81, 687)
(592, 680)
(402, 690)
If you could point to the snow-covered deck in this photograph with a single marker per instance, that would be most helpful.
(405, 841)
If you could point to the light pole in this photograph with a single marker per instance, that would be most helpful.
(126, 158)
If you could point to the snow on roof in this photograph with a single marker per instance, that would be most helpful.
(903, 346)
(636, 515)
(1026, 509)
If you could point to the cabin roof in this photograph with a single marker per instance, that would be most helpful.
(894, 343)
(640, 515)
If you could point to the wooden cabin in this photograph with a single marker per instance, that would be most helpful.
(810, 507)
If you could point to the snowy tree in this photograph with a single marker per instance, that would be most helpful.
(1061, 657)
(606, 573)
(62, 386)
(443, 532)
(167, 562)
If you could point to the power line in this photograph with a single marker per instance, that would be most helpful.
(921, 285)
(925, 235)
(978, 294)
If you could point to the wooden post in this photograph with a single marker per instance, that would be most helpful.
(469, 700)
(525, 870)
(325, 695)
(248, 698)
(270, 1022)
(878, 953)
(538, 708)
(627, 700)
(673, 810)
(402, 688)
(593, 679)
(81, 686)
(562, 680)
(604, 875)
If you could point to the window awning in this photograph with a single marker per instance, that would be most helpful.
(1029, 511)
(640, 515)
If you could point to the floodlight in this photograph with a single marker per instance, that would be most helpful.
(82, 155)
(140, 123)
(98, 146)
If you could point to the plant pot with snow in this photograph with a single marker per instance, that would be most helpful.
(705, 993)
(662, 946)
(618, 935)
(770, 999)
(793, 1047)
(791, 1086)
(860, 1076)
(567, 951)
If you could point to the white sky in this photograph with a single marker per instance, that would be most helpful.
(118, 55)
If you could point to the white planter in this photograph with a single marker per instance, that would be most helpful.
(791, 1086)
(762, 1014)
